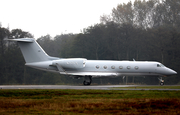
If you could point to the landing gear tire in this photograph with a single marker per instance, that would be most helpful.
(86, 83)
(87, 80)
(162, 83)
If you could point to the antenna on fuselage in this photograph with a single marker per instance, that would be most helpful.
(134, 59)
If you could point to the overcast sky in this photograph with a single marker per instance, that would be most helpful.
(42, 17)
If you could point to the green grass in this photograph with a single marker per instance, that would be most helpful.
(79, 94)
(89, 102)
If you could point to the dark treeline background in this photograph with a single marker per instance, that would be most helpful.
(143, 30)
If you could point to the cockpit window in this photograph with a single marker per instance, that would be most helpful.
(162, 65)
(158, 65)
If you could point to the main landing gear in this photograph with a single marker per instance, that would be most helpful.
(87, 80)
(161, 81)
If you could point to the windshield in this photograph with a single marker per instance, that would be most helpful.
(160, 65)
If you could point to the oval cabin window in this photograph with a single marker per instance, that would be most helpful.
(120, 67)
(136, 67)
(105, 67)
(128, 67)
(113, 67)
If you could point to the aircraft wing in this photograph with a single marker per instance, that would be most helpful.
(77, 64)
(94, 74)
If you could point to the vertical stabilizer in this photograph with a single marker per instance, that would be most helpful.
(31, 50)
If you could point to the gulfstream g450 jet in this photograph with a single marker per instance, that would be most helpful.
(37, 58)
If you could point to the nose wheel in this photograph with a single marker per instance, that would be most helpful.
(161, 81)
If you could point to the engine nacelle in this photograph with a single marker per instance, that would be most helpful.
(72, 63)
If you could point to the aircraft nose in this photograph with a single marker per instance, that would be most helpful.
(172, 72)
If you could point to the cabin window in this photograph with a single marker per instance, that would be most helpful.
(105, 67)
(128, 67)
(97, 67)
(113, 67)
(120, 67)
(136, 67)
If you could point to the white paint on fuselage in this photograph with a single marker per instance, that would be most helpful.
(98, 68)
(121, 68)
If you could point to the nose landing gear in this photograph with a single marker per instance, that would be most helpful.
(161, 81)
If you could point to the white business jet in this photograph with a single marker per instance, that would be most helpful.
(37, 58)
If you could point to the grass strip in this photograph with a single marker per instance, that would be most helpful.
(88, 102)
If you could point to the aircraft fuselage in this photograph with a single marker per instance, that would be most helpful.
(98, 68)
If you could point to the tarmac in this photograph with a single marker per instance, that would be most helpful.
(95, 87)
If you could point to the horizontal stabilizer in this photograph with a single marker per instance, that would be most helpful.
(22, 40)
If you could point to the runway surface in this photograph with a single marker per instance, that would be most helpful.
(61, 86)
(100, 87)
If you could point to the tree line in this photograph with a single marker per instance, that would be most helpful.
(143, 30)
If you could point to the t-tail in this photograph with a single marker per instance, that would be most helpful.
(32, 51)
